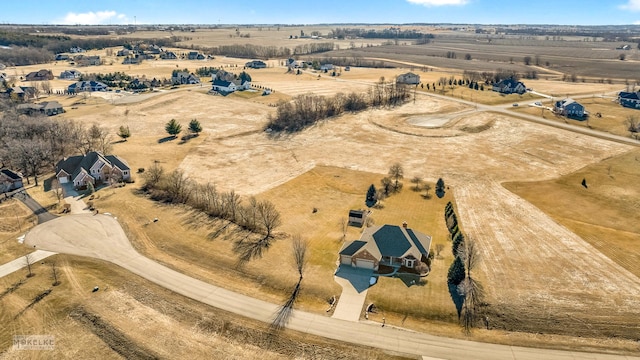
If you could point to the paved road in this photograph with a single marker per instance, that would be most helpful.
(19, 263)
(42, 213)
(100, 236)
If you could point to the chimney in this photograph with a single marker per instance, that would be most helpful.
(404, 224)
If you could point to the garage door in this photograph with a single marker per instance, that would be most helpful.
(344, 259)
(63, 180)
(364, 264)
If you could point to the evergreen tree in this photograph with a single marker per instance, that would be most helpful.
(195, 127)
(371, 194)
(456, 272)
(173, 127)
(458, 242)
(440, 185)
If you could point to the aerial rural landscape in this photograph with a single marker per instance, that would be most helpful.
(307, 188)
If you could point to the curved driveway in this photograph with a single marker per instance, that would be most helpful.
(101, 237)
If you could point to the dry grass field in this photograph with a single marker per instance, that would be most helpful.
(541, 275)
(132, 318)
(15, 220)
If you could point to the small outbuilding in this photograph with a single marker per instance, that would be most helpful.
(358, 217)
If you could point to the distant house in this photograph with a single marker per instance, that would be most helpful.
(9, 180)
(408, 78)
(39, 75)
(83, 60)
(94, 167)
(326, 67)
(256, 64)
(510, 86)
(224, 86)
(22, 93)
(155, 49)
(194, 55)
(62, 57)
(182, 77)
(123, 52)
(629, 99)
(624, 47)
(86, 86)
(48, 108)
(358, 217)
(76, 50)
(569, 108)
(133, 60)
(388, 245)
(70, 75)
(168, 55)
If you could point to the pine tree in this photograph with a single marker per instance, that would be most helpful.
(371, 194)
(173, 127)
(456, 272)
(195, 127)
(457, 244)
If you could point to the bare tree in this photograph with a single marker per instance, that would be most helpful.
(300, 258)
(343, 227)
(397, 173)
(633, 126)
(28, 260)
(417, 181)
(56, 188)
(153, 176)
(54, 274)
(470, 288)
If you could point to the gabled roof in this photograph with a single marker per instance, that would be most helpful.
(629, 95)
(353, 247)
(117, 162)
(75, 165)
(391, 240)
(10, 174)
(223, 83)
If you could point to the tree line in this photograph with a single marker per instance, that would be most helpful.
(313, 48)
(305, 110)
(390, 33)
(250, 51)
(460, 274)
(34, 144)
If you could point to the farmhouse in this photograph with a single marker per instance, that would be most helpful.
(86, 86)
(388, 245)
(182, 77)
(94, 167)
(39, 75)
(48, 108)
(510, 86)
(358, 217)
(408, 78)
(629, 99)
(9, 180)
(70, 75)
(569, 108)
(256, 64)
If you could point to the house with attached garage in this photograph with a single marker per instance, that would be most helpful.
(9, 180)
(256, 64)
(570, 108)
(48, 108)
(39, 75)
(86, 86)
(70, 75)
(388, 245)
(510, 86)
(94, 167)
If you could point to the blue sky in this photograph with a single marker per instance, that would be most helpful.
(576, 12)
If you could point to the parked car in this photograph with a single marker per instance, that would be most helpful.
(515, 104)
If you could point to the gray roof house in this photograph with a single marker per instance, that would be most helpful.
(94, 167)
(388, 245)
(408, 78)
(86, 86)
(9, 180)
(70, 75)
(256, 64)
(570, 108)
(48, 108)
(510, 86)
(182, 77)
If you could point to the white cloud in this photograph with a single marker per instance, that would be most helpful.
(446, 2)
(633, 5)
(94, 18)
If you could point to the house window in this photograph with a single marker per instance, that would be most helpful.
(410, 263)
(125, 172)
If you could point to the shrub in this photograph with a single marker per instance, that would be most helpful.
(456, 272)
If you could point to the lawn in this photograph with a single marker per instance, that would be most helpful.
(15, 220)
